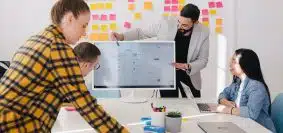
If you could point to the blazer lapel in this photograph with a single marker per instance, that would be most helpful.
(193, 42)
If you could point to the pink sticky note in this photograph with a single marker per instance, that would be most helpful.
(204, 19)
(167, 1)
(211, 4)
(112, 17)
(174, 1)
(174, 8)
(167, 9)
(219, 4)
(95, 17)
(103, 17)
(131, 0)
(204, 11)
(127, 25)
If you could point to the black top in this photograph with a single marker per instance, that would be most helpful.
(181, 47)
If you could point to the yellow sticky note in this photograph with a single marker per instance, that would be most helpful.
(113, 26)
(137, 16)
(100, 6)
(206, 23)
(181, 2)
(185, 119)
(104, 28)
(212, 12)
(94, 37)
(148, 5)
(103, 37)
(180, 7)
(95, 27)
(165, 14)
(218, 30)
(93, 6)
(108, 5)
(219, 21)
(131, 7)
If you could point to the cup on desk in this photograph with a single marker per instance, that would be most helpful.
(158, 119)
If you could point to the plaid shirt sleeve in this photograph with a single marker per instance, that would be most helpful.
(69, 81)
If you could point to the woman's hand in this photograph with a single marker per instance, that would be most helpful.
(228, 103)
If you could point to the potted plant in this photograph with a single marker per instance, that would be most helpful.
(173, 121)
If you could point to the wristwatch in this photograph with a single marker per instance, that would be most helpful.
(189, 69)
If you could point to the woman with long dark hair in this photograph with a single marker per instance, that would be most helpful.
(248, 95)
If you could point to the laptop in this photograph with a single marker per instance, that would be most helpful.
(202, 107)
(220, 127)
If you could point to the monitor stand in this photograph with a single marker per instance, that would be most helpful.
(132, 99)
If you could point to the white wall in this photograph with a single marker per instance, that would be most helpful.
(19, 20)
(260, 27)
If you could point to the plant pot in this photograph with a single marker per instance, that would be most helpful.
(173, 125)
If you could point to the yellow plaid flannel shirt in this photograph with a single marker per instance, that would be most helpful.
(43, 72)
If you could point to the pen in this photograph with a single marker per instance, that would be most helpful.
(116, 40)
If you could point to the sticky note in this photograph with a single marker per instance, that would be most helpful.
(103, 37)
(131, 0)
(148, 5)
(180, 7)
(100, 6)
(204, 11)
(108, 5)
(165, 14)
(94, 37)
(104, 28)
(219, 4)
(95, 17)
(219, 21)
(93, 6)
(112, 17)
(113, 26)
(137, 16)
(95, 27)
(182, 2)
(218, 30)
(103, 17)
(205, 19)
(167, 9)
(167, 1)
(174, 1)
(212, 12)
(206, 23)
(174, 8)
(127, 25)
(131, 7)
(211, 4)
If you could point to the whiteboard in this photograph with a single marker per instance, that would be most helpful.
(135, 65)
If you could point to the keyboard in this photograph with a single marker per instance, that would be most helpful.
(203, 107)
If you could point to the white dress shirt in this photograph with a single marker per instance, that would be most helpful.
(237, 101)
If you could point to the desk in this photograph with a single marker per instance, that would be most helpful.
(129, 114)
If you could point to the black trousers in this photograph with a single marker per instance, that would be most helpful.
(181, 76)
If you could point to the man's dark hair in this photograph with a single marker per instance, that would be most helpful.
(86, 51)
(190, 11)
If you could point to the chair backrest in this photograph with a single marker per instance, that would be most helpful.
(277, 113)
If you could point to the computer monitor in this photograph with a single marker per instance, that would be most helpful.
(127, 65)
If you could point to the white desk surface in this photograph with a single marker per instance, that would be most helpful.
(129, 114)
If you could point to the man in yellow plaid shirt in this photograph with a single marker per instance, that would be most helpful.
(44, 71)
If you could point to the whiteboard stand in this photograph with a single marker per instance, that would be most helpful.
(132, 99)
